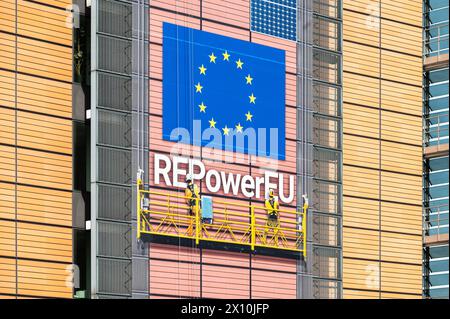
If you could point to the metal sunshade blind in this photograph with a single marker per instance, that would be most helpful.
(319, 146)
(112, 141)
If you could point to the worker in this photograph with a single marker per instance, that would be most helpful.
(273, 215)
(192, 194)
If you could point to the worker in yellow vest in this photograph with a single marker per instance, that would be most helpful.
(273, 215)
(192, 195)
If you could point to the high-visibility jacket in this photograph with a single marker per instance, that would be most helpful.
(272, 207)
(191, 193)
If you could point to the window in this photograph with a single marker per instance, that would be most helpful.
(275, 17)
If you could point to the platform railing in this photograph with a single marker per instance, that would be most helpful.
(436, 40)
(436, 130)
(167, 214)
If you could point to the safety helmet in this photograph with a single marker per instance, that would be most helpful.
(188, 178)
(271, 193)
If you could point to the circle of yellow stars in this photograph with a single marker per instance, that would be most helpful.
(248, 80)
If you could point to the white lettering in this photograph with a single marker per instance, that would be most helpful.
(162, 171)
(267, 184)
(247, 186)
(213, 189)
(178, 171)
(234, 183)
(290, 197)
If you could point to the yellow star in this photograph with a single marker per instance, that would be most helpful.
(239, 128)
(212, 58)
(212, 123)
(239, 64)
(226, 130)
(202, 70)
(202, 107)
(248, 116)
(249, 79)
(198, 88)
(252, 98)
(226, 56)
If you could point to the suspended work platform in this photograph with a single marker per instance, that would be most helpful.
(166, 213)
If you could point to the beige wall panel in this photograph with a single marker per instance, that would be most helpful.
(401, 218)
(361, 151)
(43, 279)
(44, 242)
(401, 188)
(7, 201)
(401, 37)
(401, 128)
(7, 51)
(7, 88)
(43, 22)
(401, 248)
(44, 96)
(44, 59)
(7, 238)
(401, 98)
(405, 11)
(7, 276)
(361, 243)
(387, 295)
(363, 6)
(361, 213)
(7, 16)
(7, 126)
(361, 121)
(396, 282)
(360, 182)
(401, 158)
(7, 163)
(401, 67)
(44, 205)
(361, 28)
(44, 169)
(352, 61)
(361, 274)
(361, 90)
(44, 132)
(58, 3)
(356, 294)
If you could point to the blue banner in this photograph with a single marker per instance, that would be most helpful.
(222, 92)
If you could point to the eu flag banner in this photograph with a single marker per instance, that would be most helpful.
(222, 92)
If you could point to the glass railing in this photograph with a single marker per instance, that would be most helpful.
(436, 130)
(436, 40)
(435, 220)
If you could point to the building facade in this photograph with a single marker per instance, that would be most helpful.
(435, 183)
(382, 149)
(82, 117)
(35, 149)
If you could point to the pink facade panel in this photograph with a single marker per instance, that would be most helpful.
(226, 30)
(225, 282)
(273, 285)
(232, 12)
(174, 271)
(289, 46)
(187, 7)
